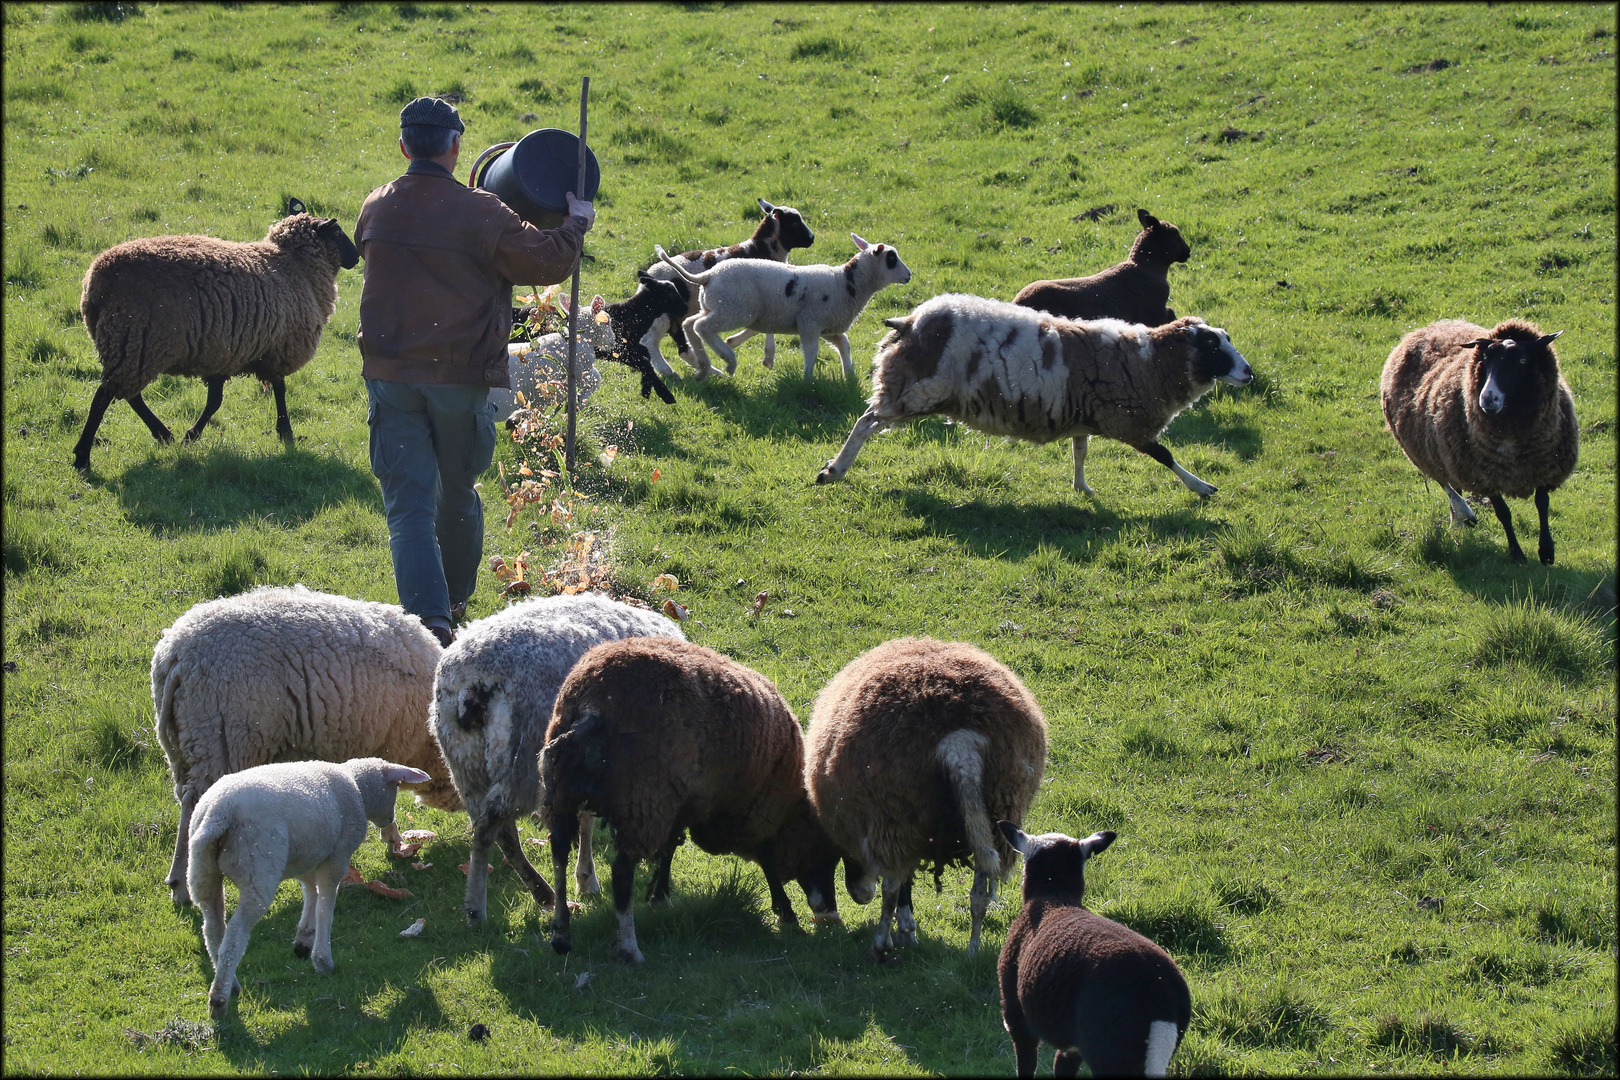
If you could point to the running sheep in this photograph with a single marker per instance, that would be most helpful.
(194, 305)
(263, 825)
(1005, 369)
(814, 302)
(660, 736)
(291, 674)
(1485, 411)
(1099, 992)
(780, 231)
(1135, 291)
(915, 748)
(492, 699)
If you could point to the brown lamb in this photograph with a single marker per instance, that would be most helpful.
(1136, 290)
(915, 748)
(657, 736)
(1485, 411)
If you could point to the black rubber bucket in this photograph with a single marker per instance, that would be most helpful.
(534, 176)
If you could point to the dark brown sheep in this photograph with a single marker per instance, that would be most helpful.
(915, 748)
(1136, 290)
(1485, 411)
(1098, 991)
(195, 305)
(658, 736)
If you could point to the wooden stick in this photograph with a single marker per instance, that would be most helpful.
(573, 300)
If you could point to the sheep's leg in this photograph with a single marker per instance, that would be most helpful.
(652, 341)
(841, 343)
(780, 903)
(512, 847)
(484, 834)
(663, 863)
(810, 343)
(1082, 443)
(694, 353)
(585, 868)
(304, 936)
(1545, 548)
(1025, 1041)
(251, 904)
(1505, 516)
(905, 932)
(159, 430)
(835, 469)
(283, 421)
(1461, 512)
(216, 394)
(563, 828)
(683, 347)
(1159, 453)
(210, 897)
(92, 424)
(984, 888)
(326, 876)
(883, 946)
(178, 866)
(1066, 1063)
(741, 336)
(624, 880)
(770, 350)
(706, 327)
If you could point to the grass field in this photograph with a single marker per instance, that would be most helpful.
(1362, 767)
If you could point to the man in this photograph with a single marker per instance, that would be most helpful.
(435, 314)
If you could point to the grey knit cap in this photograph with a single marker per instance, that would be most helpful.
(431, 112)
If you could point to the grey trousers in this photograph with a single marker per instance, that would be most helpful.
(429, 444)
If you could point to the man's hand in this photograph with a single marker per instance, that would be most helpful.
(582, 209)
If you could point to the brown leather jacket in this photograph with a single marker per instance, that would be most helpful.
(441, 261)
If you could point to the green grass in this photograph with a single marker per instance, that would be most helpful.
(1362, 767)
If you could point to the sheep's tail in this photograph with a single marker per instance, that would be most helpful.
(961, 755)
(1162, 1039)
(695, 279)
(573, 765)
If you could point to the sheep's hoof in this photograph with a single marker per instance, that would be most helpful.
(1517, 556)
(905, 937)
(883, 956)
(587, 886)
(217, 1007)
(1546, 555)
(178, 893)
(561, 943)
(629, 956)
(302, 949)
(323, 964)
(826, 476)
(475, 917)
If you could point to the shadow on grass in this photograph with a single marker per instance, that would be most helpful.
(219, 488)
(819, 409)
(1200, 425)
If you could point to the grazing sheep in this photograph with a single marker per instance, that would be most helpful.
(492, 699)
(1485, 411)
(914, 749)
(659, 736)
(194, 305)
(1135, 291)
(812, 301)
(263, 825)
(289, 674)
(1008, 370)
(1099, 992)
(780, 231)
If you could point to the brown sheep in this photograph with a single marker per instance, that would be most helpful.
(1485, 411)
(915, 748)
(1007, 370)
(195, 305)
(657, 736)
(1098, 991)
(1136, 290)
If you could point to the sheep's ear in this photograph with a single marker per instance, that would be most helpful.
(1548, 340)
(862, 244)
(901, 323)
(1147, 219)
(404, 774)
(1016, 837)
(765, 206)
(1477, 343)
(295, 207)
(644, 277)
(597, 303)
(1096, 842)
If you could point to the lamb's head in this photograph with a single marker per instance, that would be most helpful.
(1158, 242)
(301, 227)
(877, 264)
(379, 781)
(595, 326)
(804, 852)
(1511, 364)
(1054, 864)
(1214, 357)
(785, 225)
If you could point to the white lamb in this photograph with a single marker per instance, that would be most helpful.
(547, 359)
(763, 297)
(295, 819)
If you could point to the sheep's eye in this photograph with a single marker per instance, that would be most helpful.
(893, 258)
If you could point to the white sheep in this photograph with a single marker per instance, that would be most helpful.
(260, 826)
(492, 699)
(1098, 991)
(195, 305)
(814, 302)
(1005, 369)
(780, 230)
(286, 674)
